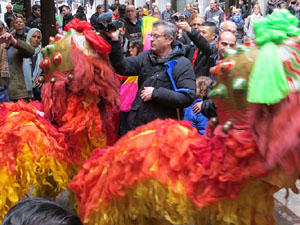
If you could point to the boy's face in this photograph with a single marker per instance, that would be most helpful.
(238, 11)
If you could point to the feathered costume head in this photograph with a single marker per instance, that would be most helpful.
(80, 86)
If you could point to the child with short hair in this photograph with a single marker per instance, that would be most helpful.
(199, 121)
(237, 18)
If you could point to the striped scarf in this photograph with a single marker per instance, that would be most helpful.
(4, 67)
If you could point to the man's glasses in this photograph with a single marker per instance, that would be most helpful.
(156, 36)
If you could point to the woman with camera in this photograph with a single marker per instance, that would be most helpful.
(13, 50)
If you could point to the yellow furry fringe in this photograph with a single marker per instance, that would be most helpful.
(33, 157)
(149, 202)
(47, 176)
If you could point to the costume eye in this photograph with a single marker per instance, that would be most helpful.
(239, 84)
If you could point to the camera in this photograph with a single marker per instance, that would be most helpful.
(106, 24)
(179, 18)
(112, 26)
(3, 40)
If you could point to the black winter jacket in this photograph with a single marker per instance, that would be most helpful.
(244, 11)
(7, 15)
(205, 51)
(94, 21)
(186, 40)
(134, 28)
(67, 19)
(152, 73)
(34, 22)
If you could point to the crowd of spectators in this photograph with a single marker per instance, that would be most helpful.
(195, 42)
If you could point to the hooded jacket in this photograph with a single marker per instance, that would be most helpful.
(152, 73)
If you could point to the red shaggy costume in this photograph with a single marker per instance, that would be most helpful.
(166, 173)
(41, 144)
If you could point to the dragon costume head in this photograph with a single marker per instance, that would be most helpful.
(258, 86)
(80, 88)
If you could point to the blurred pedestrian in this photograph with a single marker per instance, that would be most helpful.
(67, 15)
(95, 16)
(91, 4)
(187, 12)
(168, 13)
(70, 2)
(256, 14)
(34, 21)
(214, 13)
(9, 13)
(271, 5)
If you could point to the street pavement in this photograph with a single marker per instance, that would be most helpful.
(287, 211)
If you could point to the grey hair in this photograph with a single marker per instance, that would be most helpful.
(170, 28)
